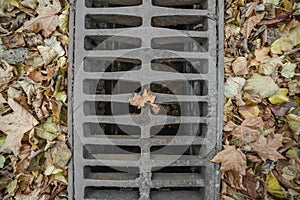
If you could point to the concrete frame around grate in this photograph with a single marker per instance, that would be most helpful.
(76, 96)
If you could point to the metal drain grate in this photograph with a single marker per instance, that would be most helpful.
(171, 48)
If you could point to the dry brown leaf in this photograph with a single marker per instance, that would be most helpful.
(262, 54)
(140, 100)
(6, 75)
(22, 112)
(240, 66)
(47, 21)
(250, 23)
(36, 75)
(266, 148)
(14, 41)
(231, 159)
(14, 126)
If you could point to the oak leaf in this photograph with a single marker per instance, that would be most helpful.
(140, 101)
(47, 21)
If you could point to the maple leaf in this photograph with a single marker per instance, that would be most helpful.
(266, 148)
(47, 21)
(15, 125)
(233, 164)
(231, 158)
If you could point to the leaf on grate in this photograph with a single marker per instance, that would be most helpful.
(140, 101)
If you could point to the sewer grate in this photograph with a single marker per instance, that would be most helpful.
(171, 48)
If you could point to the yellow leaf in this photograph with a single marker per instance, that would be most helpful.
(280, 96)
(286, 43)
(274, 187)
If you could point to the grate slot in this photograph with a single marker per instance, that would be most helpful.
(181, 109)
(111, 3)
(102, 129)
(184, 4)
(193, 66)
(111, 152)
(176, 150)
(115, 193)
(108, 108)
(98, 64)
(108, 173)
(109, 42)
(198, 88)
(94, 86)
(99, 21)
(191, 193)
(195, 44)
(193, 23)
(179, 130)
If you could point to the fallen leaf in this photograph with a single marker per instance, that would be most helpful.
(14, 41)
(266, 148)
(262, 54)
(59, 155)
(267, 67)
(64, 19)
(294, 87)
(250, 23)
(240, 66)
(48, 131)
(252, 183)
(22, 112)
(29, 89)
(6, 75)
(280, 96)
(294, 123)
(140, 100)
(56, 45)
(30, 3)
(14, 126)
(286, 43)
(261, 85)
(48, 54)
(274, 187)
(47, 21)
(233, 86)
(231, 158)
(249, 111)
(288, 69)
(2, 161)
(36, 75)
(12, 186)
(290, 173)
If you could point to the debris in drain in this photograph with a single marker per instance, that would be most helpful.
(147, 97)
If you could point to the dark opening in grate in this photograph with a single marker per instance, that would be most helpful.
(115, 193)
(181, 22)
(191, 44)
(98, 64)
(112, 3)
(193, 66)
(111, 21)
(183, 4)
(109, 42)
(96, 129)
(170, 48)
